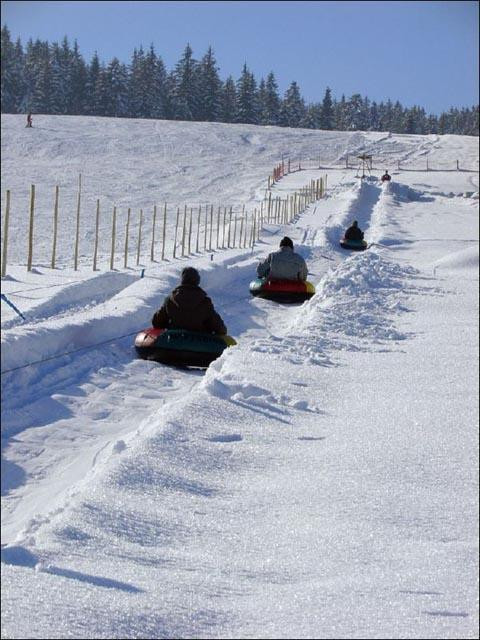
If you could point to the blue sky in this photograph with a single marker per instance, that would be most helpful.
(423, 53)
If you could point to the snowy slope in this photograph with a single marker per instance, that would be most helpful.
(320, 478)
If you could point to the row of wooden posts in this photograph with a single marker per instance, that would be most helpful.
(389, 163)
(222, 227)
(281, 170)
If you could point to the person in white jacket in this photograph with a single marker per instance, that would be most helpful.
(284, 264)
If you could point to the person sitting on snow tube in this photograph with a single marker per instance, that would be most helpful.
(188, 307)
(284, 264)
(354, 232)
(386, 176)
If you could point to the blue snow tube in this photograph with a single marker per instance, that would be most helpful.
(181, 347)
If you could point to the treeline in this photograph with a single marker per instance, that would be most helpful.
(55, 79)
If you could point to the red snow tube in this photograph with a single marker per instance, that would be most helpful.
(282, 290)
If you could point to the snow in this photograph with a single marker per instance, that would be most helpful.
(318, 480)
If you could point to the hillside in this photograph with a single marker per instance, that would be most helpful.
(320, 479)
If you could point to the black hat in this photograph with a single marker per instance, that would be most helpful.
(286, 242)
(190, 276)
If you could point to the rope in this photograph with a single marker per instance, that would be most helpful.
(67, 353)
(10, 304)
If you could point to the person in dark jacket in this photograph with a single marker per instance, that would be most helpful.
(284, 264)
(354, 232)
(386, 176)
(188, 307)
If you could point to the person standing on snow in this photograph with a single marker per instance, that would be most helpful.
(188, 307)
(284, 264)
(386, 177)
(354, 232)
(29, 120)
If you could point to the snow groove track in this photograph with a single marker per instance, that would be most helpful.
(48, 398)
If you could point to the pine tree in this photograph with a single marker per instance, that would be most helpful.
(136, 88)
(59, 80)
(8, 80)
(292, 111)
(247, 104)
(186, 99)
(313, 116)
(209, 89)
(374, 117)
(229, 101)
(340, 110)
(169, 97)
(152, 85)
(92, 81)
(272, 101)
(261, 101)
(78, 81)
(327, 115)
(115, 90)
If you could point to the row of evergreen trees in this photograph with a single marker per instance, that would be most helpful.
(54, 79)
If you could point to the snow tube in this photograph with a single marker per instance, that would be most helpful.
(353, 245)
(282, 290)
(181, 347)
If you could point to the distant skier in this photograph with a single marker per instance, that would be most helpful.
(188, 307)
(354, 232)
(284, 264)
(29, 120)
(386, 176)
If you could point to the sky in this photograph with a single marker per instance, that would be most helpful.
(420, 53)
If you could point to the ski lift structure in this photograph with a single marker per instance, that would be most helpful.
(364, 166)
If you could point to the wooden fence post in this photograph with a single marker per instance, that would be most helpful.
(229, 225)
(211, 228)
(235, 232)
(152, 248)
(164, 229)
(112, 252)
(5, 234)
(30, 231)
(240, 234)
(176, 230)
(198, 227)
(224, 224)
(184, 229)
(95, 247)
(254, 229)
(206, 229)
(55, 227)
(190, 231)
(139, 236)
(126, 237)
(77, 232)
(218, 225)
